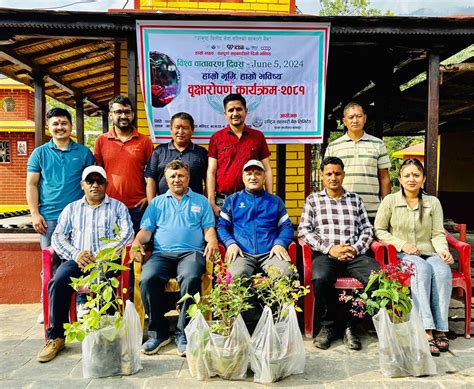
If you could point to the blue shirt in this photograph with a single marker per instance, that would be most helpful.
(81, 226)
(178, 225)
(194, 156)
(60, 175)
(256, 221)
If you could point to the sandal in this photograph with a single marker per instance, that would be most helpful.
(442, 342)
(434, 350)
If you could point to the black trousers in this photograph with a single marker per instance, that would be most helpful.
(325, 271)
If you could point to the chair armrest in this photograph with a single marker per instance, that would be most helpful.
(379, 252)
(307, 262)
(47, 255)
(292, 253)
(391, 252)
(464, 250)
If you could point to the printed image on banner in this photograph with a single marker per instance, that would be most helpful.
(280, 69)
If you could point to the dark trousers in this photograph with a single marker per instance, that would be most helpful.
(188, 267)
(136, 215)
(325, 272)
(60, 292)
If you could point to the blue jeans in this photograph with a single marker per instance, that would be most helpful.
(45, 240)
(431, 287)
(187, 267)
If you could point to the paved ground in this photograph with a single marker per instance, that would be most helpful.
(21, 338)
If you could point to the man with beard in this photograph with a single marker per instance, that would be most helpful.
(124, 153)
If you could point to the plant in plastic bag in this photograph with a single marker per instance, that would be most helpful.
(279, 291)
(403, 349)
(111, 345)
(221, 346)
(277, 347)
(392, 293)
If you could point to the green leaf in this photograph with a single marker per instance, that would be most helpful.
(197, 298)
(184, 298)
(114, 282)
(108, 293)
(192, 310)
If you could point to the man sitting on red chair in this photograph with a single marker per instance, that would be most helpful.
(76, 240)
(336, 226)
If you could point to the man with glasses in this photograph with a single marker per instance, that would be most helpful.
(124, 153)
(76, 240)
(179, 148)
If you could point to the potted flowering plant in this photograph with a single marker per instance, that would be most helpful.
(278, 348)
(403, 349)
(221, 346)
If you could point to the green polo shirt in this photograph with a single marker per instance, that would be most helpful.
(362, 160)
(60, 175)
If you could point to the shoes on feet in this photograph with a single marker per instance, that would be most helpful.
(325, 337)
(181, 343)
(442, 342)
(351, 340)
(434, 350)
(40, 319)
(153, 345)
(50, 350)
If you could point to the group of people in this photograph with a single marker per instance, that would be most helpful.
(157, 195)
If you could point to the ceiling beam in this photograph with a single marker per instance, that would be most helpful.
(81, 56)
(87, 66)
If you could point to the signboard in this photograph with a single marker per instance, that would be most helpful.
(280, 69)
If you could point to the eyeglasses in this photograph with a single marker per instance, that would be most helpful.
(99, 181)
(120, 112)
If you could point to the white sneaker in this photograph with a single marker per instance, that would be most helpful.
(81, 311)
(40, 319)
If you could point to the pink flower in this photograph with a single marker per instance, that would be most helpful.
(219, 279)
(228, 278)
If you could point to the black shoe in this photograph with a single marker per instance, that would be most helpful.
(351, 340)
(325, 337)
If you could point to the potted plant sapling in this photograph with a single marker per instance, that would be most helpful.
(403, 348)
(110, 343)
(221, 346)
(277, 343)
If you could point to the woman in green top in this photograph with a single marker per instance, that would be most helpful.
(412, 221)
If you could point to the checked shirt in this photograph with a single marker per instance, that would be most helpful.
(326, 222)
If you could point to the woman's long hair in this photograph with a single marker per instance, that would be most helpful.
(421, 168)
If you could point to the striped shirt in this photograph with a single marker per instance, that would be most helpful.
(326, 222)
(362, 160)
(81, 226)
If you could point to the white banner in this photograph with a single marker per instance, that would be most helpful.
(280, 69)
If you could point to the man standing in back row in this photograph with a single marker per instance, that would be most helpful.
(123, 152)
(229, 149)
(365, 159)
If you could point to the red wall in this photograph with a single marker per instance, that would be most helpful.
(13, 174)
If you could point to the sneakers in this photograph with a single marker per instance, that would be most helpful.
(82, 311)
(325, 337)
(351, 340)
(50, 350)
(40, 319)
(153, 345)
(181, 342)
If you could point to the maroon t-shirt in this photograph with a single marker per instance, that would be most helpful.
(232, 153)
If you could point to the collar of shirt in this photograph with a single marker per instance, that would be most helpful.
(190, 146)
(187, 194)
(258, 193)
(347, 138)
(400, 200)
(106, 200)
(324, 193)
(113, 135)
(245, 130)
(71, 146)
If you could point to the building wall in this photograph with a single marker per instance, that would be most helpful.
(23, 104)
(295, 154)
(245, 6)
(13, 173)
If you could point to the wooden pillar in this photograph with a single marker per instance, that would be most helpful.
(79, 119)
(105, 122)
(132, 70)
(40, 108)
(281, 171)
(431, 137)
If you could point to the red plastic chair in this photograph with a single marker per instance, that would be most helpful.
(47, 258)
(341, 282)
(461, 275)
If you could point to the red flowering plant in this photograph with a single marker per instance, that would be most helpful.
(228, 298)
(392, 293)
